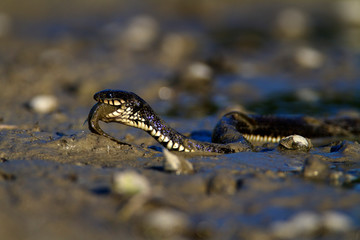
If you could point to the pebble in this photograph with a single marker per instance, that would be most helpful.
(295, 142)
(198, 72)
(140, 33)
(222, 183)
(164, 224)
(130, 183)
(44, 103)
(176, 164)
(302, 224)
(337, 178)
(307, 95)
(316, 169)
(176, 47)
(306, 224)
(350, 178)
(348, 11)
(337, 222)
(308, 57)
(292, 23)
(165, 93)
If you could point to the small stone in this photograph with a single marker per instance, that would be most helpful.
(337, 222)
(348, 11)
(349, 178)
(130, 183)
(316, 169)
(176, 164)
(302, 224)
(292, 23)
(337, 178)
(176, 47)
(44, 103)
(307, 95)
(164, 224)
(141, 33)
(306, 224)
(222, 183)
(309, 58)
(165, 93)
(295, 142)
(198, 72)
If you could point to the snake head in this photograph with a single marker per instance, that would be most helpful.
(120, 99)
(121, 106)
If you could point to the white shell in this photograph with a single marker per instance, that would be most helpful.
(44, 103)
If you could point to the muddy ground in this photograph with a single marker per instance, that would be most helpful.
(192, 63)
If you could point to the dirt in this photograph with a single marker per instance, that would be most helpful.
(57, 179)
(62, 187)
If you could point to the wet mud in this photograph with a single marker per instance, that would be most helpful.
(64, 186)
(60, 181)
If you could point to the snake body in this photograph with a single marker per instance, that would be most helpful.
(233, 133)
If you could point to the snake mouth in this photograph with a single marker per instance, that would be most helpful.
(116, 108)
(127, 116)
(119, 110)
(121, 105)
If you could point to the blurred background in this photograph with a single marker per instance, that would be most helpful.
(186, 58)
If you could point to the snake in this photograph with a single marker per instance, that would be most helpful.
(234, 132)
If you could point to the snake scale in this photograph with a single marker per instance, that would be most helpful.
(233, 133)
